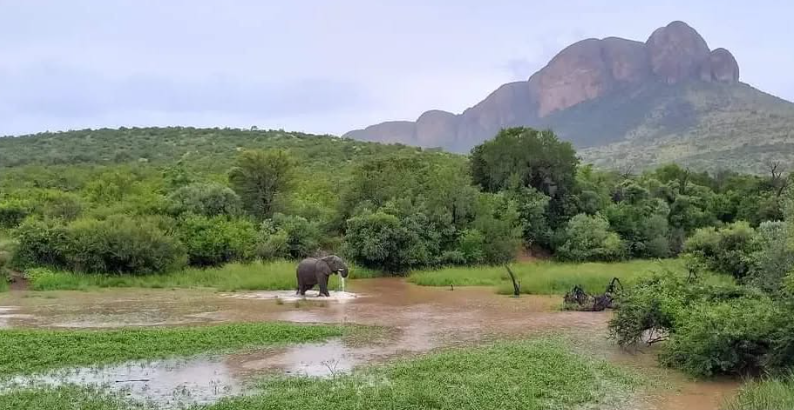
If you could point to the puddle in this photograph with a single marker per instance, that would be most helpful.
(168, 383)
(420, 319)
(291, 296)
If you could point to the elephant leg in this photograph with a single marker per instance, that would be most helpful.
(324, 286)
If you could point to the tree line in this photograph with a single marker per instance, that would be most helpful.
(205, 202)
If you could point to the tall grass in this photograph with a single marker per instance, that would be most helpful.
(545, 278)
(273, 275)
(774, 393)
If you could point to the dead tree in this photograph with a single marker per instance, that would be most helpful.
(777, 181)
(516, 285)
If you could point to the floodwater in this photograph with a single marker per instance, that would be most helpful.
(420, 319)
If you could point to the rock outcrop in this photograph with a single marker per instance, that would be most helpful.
(724, 67)
(583, 72)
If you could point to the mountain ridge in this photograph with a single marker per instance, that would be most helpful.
(591, 84)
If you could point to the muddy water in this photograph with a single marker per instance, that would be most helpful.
(421, 319)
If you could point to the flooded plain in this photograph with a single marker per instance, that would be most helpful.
(419, 319)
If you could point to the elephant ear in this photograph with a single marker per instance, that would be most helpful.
(327, 271)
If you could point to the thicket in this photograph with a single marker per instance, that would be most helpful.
(731, 315)
(151, 200)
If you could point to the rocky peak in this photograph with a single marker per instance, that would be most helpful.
(584, 71)
(724, 67)
(677, 52)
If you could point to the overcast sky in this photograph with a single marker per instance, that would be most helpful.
(325, 66)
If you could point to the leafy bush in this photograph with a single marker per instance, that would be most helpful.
(273, 245)
(471, 244)
(383, 241)
(772, 258)
(116, 245)
(205, 199)
(215, 240)
(12, 213)
(725, 250)
(300, 237)
(652, 308)
(588, 238)
(723, 338)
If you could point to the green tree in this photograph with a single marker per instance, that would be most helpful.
(262, 179)
(205, 199)
(588, 238)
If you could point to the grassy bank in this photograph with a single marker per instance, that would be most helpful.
(768, 394)
(544, 277)
(28, 351)
(274, 275)
(538, 374)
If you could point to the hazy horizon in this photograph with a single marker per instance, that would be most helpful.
(322, 68)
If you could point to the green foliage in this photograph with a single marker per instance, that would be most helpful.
(116, 245)
(588, 238)
(534, 181)
(711, 328)
(205, 199)
(261, 179)
(216, 240)
(724, 250)
(538, 158)
(383, 241)
(289, 236)
(651, 309)
(772, 257)
(12, 213)
(724, 337)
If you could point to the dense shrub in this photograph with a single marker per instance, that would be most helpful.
(772, 258)
(588, 238)
(497, 219)
(652, 308)
(216, 240)
(205, 199)
(289, 236)
(116, 245)
(723, 338)
(725, 250)
(12, 213)
(383, 241)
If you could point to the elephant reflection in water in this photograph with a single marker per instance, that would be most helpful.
(316, 271)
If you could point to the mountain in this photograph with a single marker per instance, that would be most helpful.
(626, 104)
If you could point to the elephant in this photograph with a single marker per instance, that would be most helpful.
(314, 271)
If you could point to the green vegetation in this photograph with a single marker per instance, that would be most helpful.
(67, 397)
(271, 275)
(773, 393)
(718, 328)
(546, 278)
(707, 126)
(28, 351)
(144, 202)
(537, 374)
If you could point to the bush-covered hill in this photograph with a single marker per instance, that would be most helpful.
(210, 147)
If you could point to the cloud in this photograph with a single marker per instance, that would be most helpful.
(50, 90)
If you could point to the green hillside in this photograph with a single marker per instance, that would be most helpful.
(205, 147)
(706, 126)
